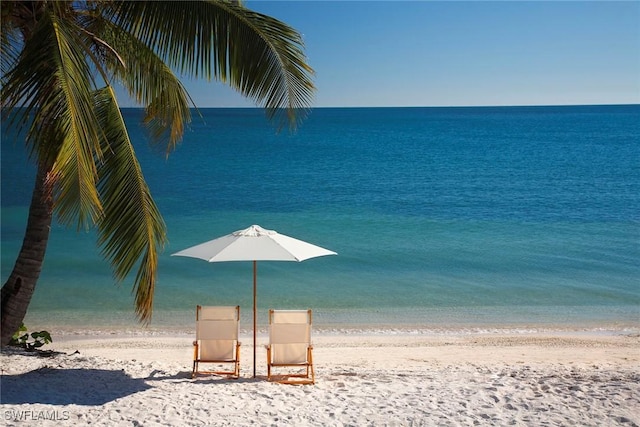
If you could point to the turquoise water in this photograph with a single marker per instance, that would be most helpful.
(440, 216)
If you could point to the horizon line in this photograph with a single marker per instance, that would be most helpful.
(419, 106)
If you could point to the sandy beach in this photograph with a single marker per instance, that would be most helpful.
(364, 378)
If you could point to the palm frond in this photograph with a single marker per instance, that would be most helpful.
(258, 55)
(52, 80)
(77, 195)
(151, 82)
(10, 47)
(132, 230)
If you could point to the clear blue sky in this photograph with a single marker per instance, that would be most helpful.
(453, 53)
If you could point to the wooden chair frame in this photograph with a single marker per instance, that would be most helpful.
(235, 373)
(308, 377)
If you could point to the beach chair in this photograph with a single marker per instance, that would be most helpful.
(216, 341)
(290, 346)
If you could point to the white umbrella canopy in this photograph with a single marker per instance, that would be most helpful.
(254, 244)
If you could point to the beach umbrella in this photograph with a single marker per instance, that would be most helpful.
(254, 244)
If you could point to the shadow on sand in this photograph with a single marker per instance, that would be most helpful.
(69, 386)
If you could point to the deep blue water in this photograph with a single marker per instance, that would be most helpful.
(506, 215)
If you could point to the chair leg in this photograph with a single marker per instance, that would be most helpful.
(268, 363)
(310, 365)
(238, 360)
(195, 359)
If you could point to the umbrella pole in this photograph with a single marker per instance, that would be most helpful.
(255, 267)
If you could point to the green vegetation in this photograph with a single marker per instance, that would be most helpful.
(21, 339)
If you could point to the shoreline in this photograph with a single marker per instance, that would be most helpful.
(488, 329)
(443, 320)
(547, 348)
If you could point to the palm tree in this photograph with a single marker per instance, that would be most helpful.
(60, 62)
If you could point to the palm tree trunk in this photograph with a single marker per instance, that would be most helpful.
(17, 291)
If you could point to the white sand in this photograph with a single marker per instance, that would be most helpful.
(377, 379)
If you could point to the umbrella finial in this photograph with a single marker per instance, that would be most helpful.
(254, 231)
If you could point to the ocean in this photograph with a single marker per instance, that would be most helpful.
(466, 217)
